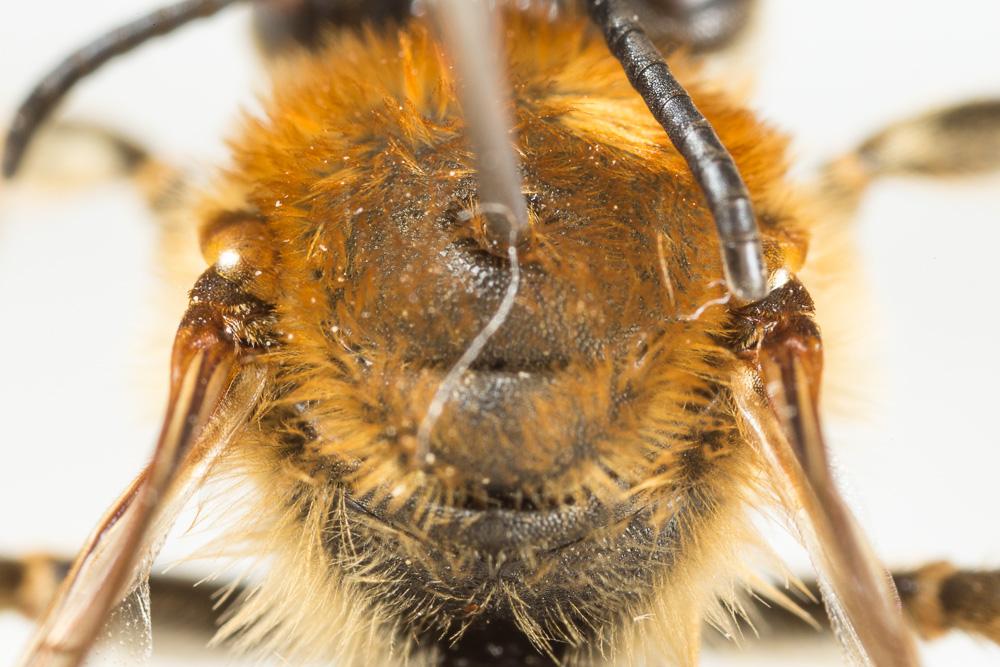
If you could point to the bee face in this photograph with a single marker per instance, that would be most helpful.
(398, 280)
(384, 280)
(428, 341)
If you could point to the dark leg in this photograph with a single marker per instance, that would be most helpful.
(939, 597)
(28, 584)
(179, 606)
(188, 613)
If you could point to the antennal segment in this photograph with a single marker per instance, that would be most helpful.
(693, 137)
(471, 38)
(50, 90)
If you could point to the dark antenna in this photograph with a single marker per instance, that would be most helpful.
(47, 94)
(692, 135)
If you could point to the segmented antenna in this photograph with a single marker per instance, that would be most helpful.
(47, 94)
(693, 137)
(472, 40)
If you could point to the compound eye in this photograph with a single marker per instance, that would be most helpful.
(698, 24)
(238, 244)
(288, 24)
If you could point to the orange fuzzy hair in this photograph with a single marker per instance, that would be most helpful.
(358, 170)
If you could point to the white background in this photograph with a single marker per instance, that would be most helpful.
(80, 369)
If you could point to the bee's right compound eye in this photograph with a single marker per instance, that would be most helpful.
(698, 24)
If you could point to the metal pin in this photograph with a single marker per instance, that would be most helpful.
(471, 37)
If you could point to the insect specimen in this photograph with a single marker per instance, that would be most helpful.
(616, 331)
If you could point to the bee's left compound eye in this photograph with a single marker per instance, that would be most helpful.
(239, 246)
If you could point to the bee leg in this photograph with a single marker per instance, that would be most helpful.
(939, 597)
(959, 140)
(28, 584)
(184, 610)
(936, 599)
(69, 154)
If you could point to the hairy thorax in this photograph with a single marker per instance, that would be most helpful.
(576, 459)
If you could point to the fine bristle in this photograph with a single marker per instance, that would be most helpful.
(310, 608)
